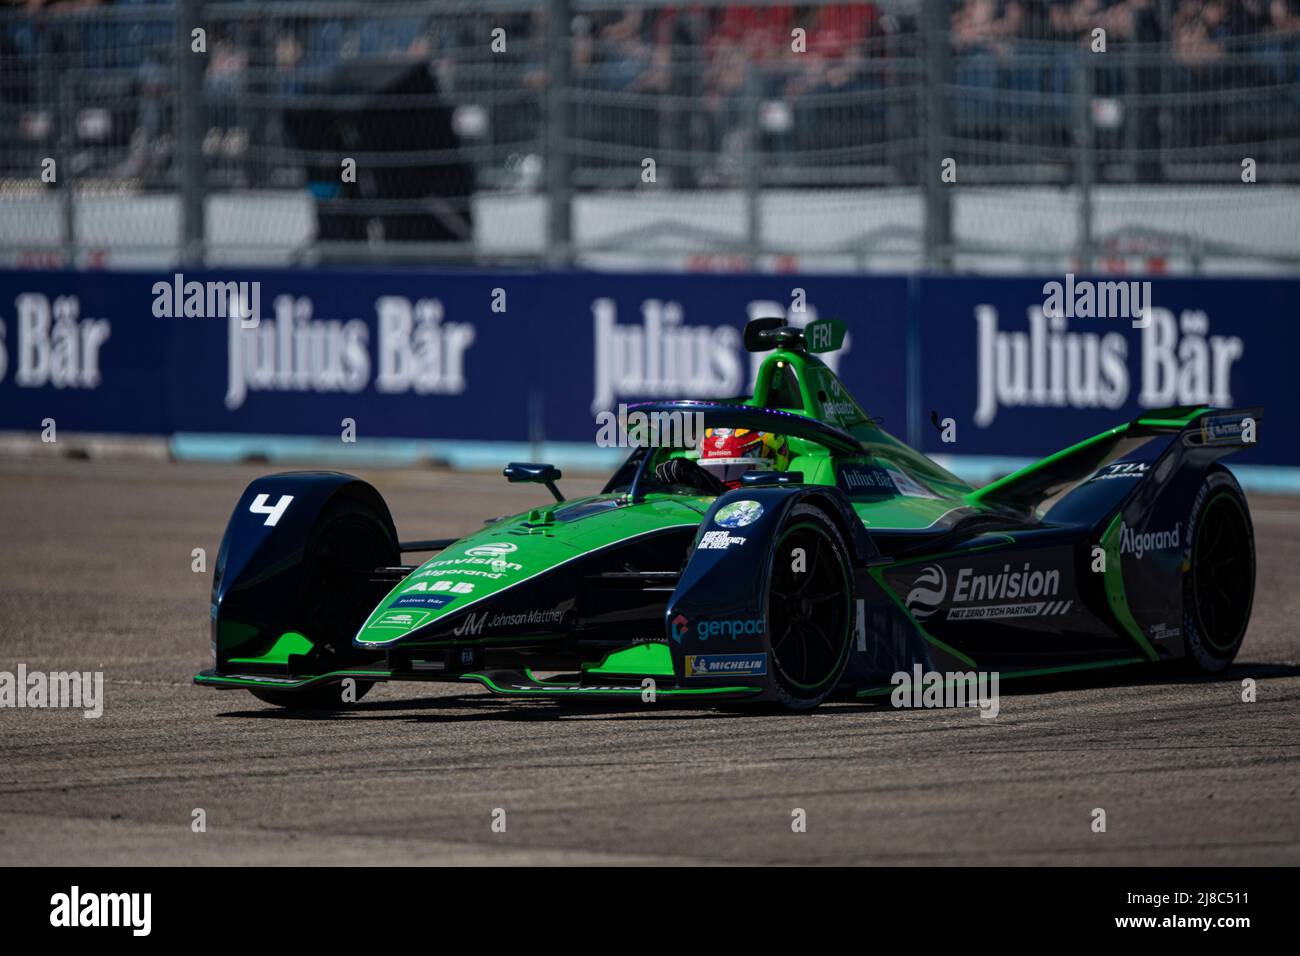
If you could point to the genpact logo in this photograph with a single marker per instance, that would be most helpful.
(928, 591)
(680, 626)
(733, 628)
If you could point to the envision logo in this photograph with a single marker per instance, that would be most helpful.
(928, 591)
(931, 587)
(74, 909)
(492, 549)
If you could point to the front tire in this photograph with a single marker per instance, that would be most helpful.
(1219, 583)
(317, 698)
(352, 536)
(809, 608)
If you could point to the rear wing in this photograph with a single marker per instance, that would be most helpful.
(1202, 433)
(1231, 428)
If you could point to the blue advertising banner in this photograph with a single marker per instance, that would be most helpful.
(601, 340)
(1020, 367)
(69, 352)
(465, 355)
(1024, 367)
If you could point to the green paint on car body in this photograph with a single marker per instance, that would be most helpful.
(641, 660)
(515, 550)
(992, 489)
(1116, 597)
(290, 642)
(577, 690)
(1183, 422)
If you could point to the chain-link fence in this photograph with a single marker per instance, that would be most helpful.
(948, 134)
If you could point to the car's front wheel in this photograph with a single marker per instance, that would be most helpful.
(332, 697)
(809, 608)
(350, 538)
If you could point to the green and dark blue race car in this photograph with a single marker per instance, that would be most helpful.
(780, 548)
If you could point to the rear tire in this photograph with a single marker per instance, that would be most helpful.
(809, 611)
(1219, 583)
(352, 536)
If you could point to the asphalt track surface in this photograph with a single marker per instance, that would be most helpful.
(95, 574)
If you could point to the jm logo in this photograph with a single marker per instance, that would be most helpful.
(472, 625)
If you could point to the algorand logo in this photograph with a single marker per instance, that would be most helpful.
(661, 357)
(927, 592)
(1049, 366)
(1139, 544)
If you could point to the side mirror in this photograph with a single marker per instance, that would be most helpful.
(534, 473)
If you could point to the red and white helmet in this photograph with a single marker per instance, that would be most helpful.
(727, 453)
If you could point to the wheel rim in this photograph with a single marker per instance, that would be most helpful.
(808, 611)
(1222, 572)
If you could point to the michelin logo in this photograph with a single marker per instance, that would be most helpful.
(726, 665)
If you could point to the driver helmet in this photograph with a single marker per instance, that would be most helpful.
(727, 453)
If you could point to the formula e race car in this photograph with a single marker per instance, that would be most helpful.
(778, 548)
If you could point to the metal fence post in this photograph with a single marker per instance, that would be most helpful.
(937, 17)
(189, 116)
(559, 191)
(1086, 78)
(58, 89)
(752, 168)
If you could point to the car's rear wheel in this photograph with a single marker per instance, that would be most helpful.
(809, 608)
(1219, 582)
(350, 538)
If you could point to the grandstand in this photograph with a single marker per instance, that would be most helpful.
(782, 136)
